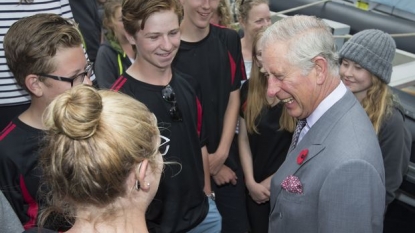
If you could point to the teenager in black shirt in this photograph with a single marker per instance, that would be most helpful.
(181, 204)
(212, 56)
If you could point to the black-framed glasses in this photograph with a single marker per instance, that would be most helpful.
(170, 96)
(75, 80)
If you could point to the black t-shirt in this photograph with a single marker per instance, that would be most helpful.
(180, 203)
(217, 66)
(19, 174)
(269, 148)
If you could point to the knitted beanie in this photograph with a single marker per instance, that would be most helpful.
(372, 49)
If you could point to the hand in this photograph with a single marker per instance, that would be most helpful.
(216, 162)
(258, 192)
(225, 176)
(267, 183)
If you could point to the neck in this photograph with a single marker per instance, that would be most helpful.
(246, 43)
(126, 220)
(329, 86)
(191, 33)
(128, 49)
(126, 46)
(150, 74)
(33, 115)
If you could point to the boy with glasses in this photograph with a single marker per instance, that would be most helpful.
(181, 203)
(44, 53)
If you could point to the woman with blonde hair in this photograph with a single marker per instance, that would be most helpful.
(100, 160)
(253, 16)
(366, 69)
(263, 142)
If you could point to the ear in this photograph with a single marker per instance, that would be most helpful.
(321, 69)
(32, 83)
(141, 174)
(241, 23)
(130, 38)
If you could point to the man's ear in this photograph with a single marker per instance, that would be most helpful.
(32, 83)
(320, 69)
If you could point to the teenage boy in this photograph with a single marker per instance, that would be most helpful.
(212, 55)
(44, 53)
(181, 203)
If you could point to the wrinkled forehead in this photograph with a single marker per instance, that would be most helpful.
(273, 52)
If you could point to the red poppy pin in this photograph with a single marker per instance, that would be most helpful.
(301, 157)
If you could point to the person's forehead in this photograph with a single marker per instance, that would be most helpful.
(161, 20)
(69, 60)
(273, 50)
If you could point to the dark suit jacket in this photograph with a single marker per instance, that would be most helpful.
(342, 177)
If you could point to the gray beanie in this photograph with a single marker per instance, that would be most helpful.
(373, 50)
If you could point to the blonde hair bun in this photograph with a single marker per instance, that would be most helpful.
(76, 114)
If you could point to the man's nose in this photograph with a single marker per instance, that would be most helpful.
(273, 86)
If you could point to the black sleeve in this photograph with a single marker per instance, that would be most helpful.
(244, 98)
(233, 43)
(10, 186)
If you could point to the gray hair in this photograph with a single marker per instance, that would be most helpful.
(307, 37)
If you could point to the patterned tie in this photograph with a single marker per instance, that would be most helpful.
(296, 135)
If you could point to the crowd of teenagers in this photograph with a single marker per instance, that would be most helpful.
(179, 117)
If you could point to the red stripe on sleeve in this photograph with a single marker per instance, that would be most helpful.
(119, 83)
(199, 116)
(243, 70)
(7, 130)
(33, 207)
(243, 107)
(233, 67)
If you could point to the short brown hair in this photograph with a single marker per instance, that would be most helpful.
(134, 11)
(32, 42)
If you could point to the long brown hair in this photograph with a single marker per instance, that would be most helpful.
(378, 102)
(257, 100)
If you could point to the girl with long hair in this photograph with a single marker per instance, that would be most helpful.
(264, 139)
(366, 69)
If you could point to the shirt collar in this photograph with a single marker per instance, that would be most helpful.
(326, 104)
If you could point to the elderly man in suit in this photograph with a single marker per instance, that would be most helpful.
(333, 177)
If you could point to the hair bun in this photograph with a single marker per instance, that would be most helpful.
(77, 112)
